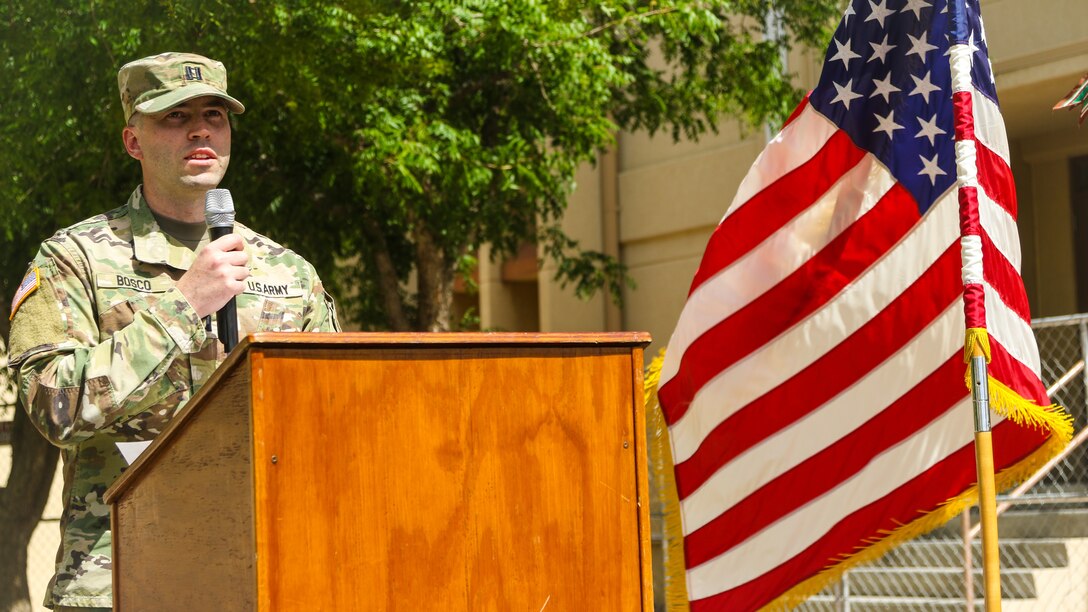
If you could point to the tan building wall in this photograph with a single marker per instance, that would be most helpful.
(1039, 51)
(670, 196)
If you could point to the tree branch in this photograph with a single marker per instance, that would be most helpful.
(435, 278)
(388, 283)
(638, 17)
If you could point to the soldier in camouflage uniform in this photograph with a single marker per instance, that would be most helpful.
(111, 329)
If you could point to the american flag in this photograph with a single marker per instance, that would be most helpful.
(29, 283)
(814, 385)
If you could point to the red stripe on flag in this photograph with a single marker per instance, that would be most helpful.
(1010, 371)
(768, 210)
(822, 472)
(827, 376)
(946, 479)
(797, 296)
(796, 112)
(995, 177)
(1000, 274)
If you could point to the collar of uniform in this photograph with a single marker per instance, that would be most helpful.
(150, 244)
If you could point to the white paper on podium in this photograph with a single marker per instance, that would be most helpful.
(131, 450)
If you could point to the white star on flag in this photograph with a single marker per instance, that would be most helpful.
(880, 50)
(844, 54)
(970, 45)
(884, 88)
(931, 168)
(879, 12)
(919, 46)
(849, 13)
(923, 87)
(887, 124)
(845, 94)
(929, 129)
(916, 6)
(989, 64)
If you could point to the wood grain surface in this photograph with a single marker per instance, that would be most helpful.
(183, 530)
(494, 478)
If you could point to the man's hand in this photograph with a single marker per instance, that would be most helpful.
(218, 274)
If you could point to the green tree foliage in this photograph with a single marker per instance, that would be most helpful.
(392, 137)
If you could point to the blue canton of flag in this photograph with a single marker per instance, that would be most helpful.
(886, 82)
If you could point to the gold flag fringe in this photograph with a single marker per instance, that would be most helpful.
(1003, 400)
(950, 509)
(676, 589)
(1009, 404)
(976, 335)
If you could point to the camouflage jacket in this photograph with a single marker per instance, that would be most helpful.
(106, 349)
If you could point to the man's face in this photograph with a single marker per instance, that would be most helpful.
(183, 151)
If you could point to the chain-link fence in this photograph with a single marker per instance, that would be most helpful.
(1043, 525)
(42, 554)
(42, 550)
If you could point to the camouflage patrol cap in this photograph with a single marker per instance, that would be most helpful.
(159, 82)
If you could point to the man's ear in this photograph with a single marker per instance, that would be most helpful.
(132, 142)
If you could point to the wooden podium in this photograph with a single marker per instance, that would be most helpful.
(396, 472)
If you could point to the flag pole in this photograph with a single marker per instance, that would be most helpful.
(976, 339)
(987, 495)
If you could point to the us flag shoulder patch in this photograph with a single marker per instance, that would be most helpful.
(31, 282)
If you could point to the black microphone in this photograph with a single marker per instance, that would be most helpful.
(219, 215)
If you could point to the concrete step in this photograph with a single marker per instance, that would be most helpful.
(1055, 523)
(1015, 553)
(1024, 522)
(934, 583)
(823, 603)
